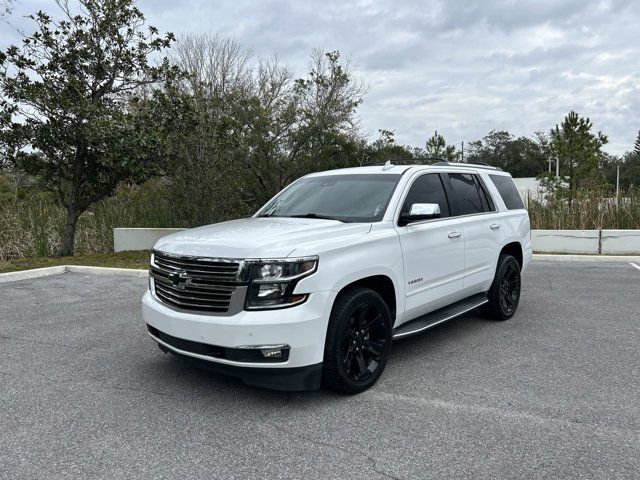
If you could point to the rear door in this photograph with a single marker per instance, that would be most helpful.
(480, 222)
(432, 250)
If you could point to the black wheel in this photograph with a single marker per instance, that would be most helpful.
(504, 294)
(358, 341)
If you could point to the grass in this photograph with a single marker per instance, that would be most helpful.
(137, 260)
(31, 224)
(588, 210)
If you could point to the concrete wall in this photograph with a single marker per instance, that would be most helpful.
(529, 187)
(139, 238)
(613, 242)
(620, 242)
(566, 241)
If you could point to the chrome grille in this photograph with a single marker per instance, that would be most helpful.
(195, 283)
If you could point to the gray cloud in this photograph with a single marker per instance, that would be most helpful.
(460, 67)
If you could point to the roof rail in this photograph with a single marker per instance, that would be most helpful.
(470, 165)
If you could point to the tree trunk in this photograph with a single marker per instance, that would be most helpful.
(69, 232)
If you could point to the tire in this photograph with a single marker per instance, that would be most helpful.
(358, 341)
(504, 294)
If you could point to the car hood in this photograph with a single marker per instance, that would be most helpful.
(260, 237)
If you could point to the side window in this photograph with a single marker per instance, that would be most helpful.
(487, 201)
(466, 193)
(427, 189)
(508, 191)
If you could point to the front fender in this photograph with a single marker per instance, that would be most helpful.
(378, 253)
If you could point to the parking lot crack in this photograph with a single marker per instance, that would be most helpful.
(507, 413)
(321, 443)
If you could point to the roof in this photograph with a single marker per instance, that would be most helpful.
(400, 169)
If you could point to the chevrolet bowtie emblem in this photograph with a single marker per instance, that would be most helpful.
(180, 279)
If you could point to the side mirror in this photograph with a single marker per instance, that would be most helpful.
(420, 211)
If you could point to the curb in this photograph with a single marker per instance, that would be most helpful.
(35, 273)
(586, 258)
(60, 269)
(129, 272)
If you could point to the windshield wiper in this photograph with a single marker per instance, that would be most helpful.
(321, 217)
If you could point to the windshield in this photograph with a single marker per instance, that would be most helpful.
(348, 198)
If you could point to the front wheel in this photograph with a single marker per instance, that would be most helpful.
(504, 294)
(358, 341)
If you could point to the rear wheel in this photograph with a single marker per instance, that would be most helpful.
(358, 341)
(504, 294)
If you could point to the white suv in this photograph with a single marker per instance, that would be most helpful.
(315, 286)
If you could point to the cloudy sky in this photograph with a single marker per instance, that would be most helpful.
(461, 67)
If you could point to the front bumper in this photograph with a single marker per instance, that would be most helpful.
(303, 328)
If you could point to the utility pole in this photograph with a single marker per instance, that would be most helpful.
(462, 150)
(557, 167)
(617, 183)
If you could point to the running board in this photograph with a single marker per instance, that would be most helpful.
(441, 315)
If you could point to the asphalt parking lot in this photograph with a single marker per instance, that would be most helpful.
(555, 392)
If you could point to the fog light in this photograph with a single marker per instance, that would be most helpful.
(271, 352)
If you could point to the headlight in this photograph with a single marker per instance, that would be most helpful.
(273, 282)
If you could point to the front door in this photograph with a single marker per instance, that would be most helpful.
(432, 250)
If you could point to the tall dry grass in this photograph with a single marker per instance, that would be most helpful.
(587, 210)
(31, 224)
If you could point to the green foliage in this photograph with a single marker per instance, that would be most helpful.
(385, 149)
(437, 148)
(578, 150)
(80, 106)
(249, 129)
(522, 157)
(294, 127)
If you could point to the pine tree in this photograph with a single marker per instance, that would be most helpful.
(436, 147)
(577, 148)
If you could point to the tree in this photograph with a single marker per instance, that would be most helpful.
(6, 7)
(81, 103)
(437, 148)
(386, 149)
(522, 157)
(578, 150)
(636, 148)
(209, 159)
(293, 127)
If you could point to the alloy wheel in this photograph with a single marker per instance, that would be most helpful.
(509, 288)
(364, 343)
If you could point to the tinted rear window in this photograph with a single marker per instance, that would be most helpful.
(508, 191)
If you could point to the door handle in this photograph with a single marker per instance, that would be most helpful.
(455, 234)
(494, 226)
